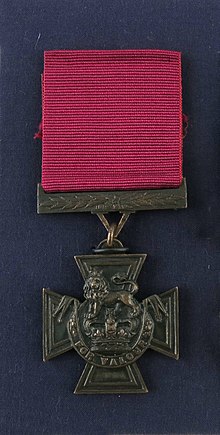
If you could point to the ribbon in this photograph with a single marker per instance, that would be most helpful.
(112, 120)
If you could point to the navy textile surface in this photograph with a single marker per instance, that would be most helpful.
(37, 251)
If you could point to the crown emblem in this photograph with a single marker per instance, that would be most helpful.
(113, 335)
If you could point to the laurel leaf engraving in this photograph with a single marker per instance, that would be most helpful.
(111, 200)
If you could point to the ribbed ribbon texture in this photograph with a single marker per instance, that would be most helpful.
(112, 119)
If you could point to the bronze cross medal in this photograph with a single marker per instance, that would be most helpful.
(110, 329)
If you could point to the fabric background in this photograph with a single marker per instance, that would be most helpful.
(37, 251)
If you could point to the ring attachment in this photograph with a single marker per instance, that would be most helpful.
(116, 248)
(111, 235)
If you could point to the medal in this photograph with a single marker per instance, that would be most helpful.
(112, 135)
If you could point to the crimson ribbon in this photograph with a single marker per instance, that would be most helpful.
(112, 119)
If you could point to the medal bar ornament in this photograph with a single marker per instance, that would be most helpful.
(112, 137)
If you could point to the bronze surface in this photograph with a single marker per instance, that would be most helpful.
(111, 329)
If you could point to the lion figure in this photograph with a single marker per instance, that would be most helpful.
(96, 291)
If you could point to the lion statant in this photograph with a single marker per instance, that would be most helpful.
(97, 292)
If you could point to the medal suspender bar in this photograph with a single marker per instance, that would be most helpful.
(112, 134)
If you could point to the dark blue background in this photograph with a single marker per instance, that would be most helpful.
(37, 251)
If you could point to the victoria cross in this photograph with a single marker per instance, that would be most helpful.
(110, 329)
